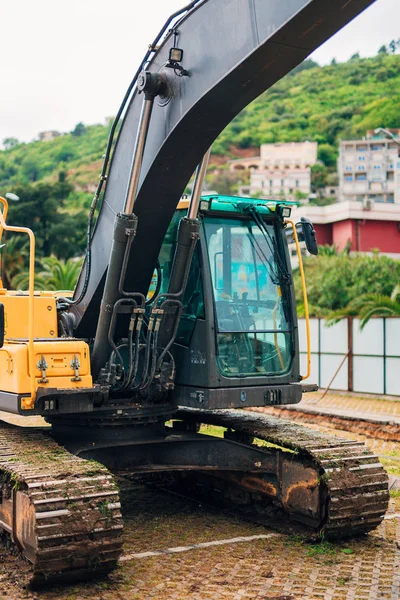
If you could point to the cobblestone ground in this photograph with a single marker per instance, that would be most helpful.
(277, 567)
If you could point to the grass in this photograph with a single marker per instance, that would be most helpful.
(216, 431)
(392, 466)
(322, 549)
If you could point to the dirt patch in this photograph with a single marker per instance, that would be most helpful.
(382, 430)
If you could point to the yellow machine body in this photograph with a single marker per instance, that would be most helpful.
(57, 357)
(59, 362)
(16, 316)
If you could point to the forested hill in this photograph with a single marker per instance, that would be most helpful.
(316, 103)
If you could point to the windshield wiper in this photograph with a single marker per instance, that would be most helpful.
(283, 274)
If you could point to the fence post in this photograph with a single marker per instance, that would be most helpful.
(384, 355)
(319, 351)
(350, 357)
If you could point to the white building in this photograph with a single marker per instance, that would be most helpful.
(281, 170)
(47, 136)
(369, 170)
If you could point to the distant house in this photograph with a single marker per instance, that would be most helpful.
(369, 169)
(280, 170)
(359, 226)
(46, 136)
(367, 216)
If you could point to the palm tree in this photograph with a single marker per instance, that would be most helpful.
(369, 305)
(60, 274)
(56, 274)
(14, 256)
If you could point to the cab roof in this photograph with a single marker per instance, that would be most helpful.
(219, 202)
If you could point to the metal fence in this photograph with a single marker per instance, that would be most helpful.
(371, 357)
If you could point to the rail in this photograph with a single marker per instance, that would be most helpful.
(27, 402)
(304, 288)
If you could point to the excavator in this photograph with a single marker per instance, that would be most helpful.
(184, 315)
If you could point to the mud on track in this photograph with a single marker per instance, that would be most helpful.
(279, 566)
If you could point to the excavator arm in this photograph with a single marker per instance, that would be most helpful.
(233, 50)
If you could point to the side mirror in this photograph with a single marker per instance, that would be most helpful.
(310, 236)
(1, 325)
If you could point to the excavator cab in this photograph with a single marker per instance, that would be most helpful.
(237, 336)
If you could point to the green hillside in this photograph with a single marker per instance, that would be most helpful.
(316, 103)
(79, 156)
(322, 104)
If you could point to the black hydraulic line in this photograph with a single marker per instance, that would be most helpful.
(124, 228)
(121, 290)
(131, 332)
(177, 315)
(150, 349)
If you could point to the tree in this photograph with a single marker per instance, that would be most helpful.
(332, 179)
(355, 56)
(42, 208)
(369, 305)
(328, 154)
(382, 50)
(10, 143)
(225, 182)
(60, 274)
(392, 46)
(318, 176)
(14, 256)
(78, 130)
(30, 168)
(334, 281)
(56, 274)
(334, 62)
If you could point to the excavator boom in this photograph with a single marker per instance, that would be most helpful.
(233, 50)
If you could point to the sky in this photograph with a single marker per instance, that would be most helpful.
(63, 62)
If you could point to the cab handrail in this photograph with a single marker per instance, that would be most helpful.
(304, 288)
(27, 402)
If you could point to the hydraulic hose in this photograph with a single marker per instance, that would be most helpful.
(152, 50)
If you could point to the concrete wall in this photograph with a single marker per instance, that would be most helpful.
(373, 365)
(382, 235)
(342, 232)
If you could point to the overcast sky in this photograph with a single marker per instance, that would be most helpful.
(71, 61)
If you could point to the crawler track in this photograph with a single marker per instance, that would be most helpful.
(351, 484)
(62, 512)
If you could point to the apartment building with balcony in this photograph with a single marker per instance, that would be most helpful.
(369, 170)
(281, 170)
